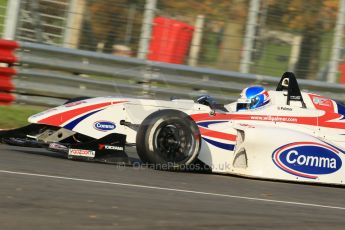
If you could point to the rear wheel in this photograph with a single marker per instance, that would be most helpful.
(168, 139)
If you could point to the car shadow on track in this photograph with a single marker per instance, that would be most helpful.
(133, 158)
(197, 168)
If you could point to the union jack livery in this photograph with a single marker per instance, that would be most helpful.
(281, 134)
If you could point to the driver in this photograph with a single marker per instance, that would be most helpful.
(253, 97)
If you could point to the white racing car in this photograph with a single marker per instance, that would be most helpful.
(284, 134)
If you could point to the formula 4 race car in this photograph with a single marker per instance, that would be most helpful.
(284, 134)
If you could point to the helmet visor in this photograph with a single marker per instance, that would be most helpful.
(254, 102)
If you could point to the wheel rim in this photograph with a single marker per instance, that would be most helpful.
(174, 142)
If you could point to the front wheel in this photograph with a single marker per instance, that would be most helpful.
(168, 139)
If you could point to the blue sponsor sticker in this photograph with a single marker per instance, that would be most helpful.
(307, 159)
(104, 125)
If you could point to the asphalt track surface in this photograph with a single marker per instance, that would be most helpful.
(40, 190)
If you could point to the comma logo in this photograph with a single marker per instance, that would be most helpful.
(293, 157)
(104, 126)
(307, 159)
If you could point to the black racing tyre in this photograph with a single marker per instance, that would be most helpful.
(168, 139)
(75, 99)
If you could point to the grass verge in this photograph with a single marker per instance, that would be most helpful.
(14, 116)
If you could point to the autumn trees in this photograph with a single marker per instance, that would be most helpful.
(310, 19)
(225, 21)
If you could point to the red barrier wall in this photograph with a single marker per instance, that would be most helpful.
(8, 57)
(6, 98)
(170, 40)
